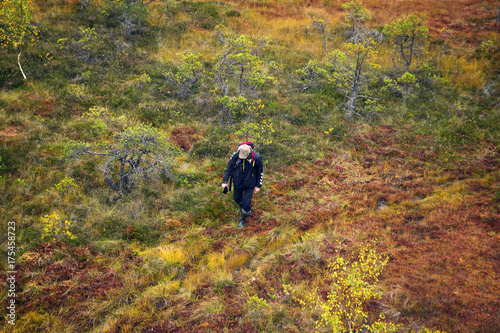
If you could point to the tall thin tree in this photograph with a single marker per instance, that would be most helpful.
(16, 29)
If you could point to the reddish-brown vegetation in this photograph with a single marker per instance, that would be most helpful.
(56, 277)
(185, 137)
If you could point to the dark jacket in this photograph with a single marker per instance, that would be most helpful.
(246, 174)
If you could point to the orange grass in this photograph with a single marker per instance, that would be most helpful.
(455, 15)
(463, 73)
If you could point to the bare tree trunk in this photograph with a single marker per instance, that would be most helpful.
(224, 85)
(321, 26)
(19, 63)
(351, 105)
(108, 180)
(128, 23)
(241, 79)
(410, 60)
(351, 102)
(122, 175)
(85, 4)
(324, 42)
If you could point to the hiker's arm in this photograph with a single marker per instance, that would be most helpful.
(260, 173)
(229, 168)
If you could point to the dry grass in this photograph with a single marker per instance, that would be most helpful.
(461, 72)
(171, 255)
(237, 260)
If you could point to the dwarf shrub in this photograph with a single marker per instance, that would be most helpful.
(54, 228)
(69, 189)
(354, 283)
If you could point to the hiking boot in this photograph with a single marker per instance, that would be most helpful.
(243, 219)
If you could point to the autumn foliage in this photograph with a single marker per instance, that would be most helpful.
(379, 208)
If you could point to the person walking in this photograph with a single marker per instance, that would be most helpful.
(245, 169)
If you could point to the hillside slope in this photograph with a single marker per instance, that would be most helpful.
(415, 181)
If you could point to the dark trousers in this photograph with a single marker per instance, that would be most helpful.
(243, 197)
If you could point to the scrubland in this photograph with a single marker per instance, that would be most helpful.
(415, 181)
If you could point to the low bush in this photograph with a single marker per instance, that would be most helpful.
(214, 147)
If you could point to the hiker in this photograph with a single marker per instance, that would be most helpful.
(245, 171)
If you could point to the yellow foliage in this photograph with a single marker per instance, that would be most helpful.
(141, 80)
(352, 285)
(77, 92)
(54, 228)
(98, 112)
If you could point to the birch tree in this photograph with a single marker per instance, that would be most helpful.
(309, 77)
(187, 78)
(16, 29)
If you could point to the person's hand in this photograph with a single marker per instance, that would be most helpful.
(224, 185)
(256, 190)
